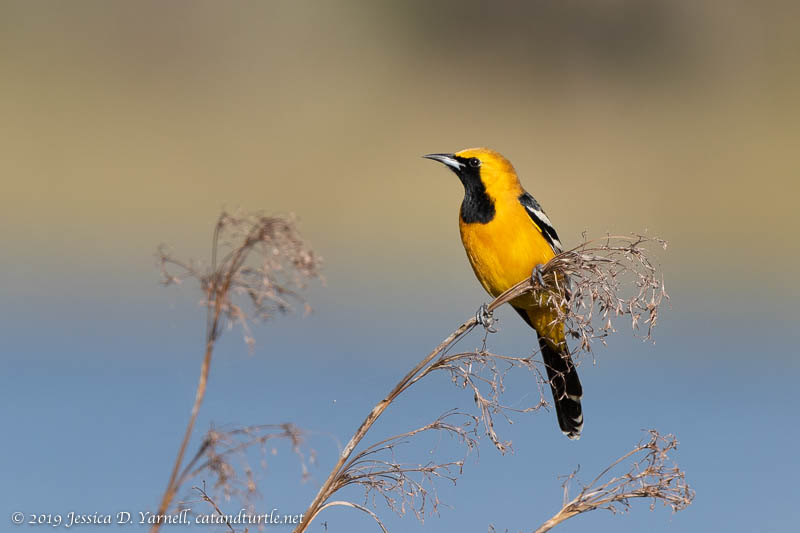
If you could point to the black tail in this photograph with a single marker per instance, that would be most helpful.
(567, 390)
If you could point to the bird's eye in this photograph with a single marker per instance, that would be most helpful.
(474, 162)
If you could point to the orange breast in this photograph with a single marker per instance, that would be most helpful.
(506, 250)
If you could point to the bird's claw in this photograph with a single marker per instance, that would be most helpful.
(536, 275)
(485, 318)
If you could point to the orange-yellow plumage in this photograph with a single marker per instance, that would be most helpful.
(506, 235)
(505, 251)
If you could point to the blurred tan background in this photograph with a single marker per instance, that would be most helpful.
(135, 122)
(129, 124)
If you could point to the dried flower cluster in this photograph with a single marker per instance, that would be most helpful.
(599, 275)
(483, 373)
(409, 486)
(264, 262)
(592, 286)
(223, 455)
(258, 258)
(651, 474)
(589, 286)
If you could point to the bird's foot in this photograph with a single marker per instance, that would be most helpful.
(485, 318)
(536, 275)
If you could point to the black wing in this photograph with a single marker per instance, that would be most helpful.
(539, 218)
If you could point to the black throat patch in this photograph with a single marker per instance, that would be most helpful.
(478, 206)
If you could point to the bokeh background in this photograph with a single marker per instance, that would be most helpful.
(129, 124)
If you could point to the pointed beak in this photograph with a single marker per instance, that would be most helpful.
(447, 159)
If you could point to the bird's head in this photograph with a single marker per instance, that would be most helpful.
(481, 166)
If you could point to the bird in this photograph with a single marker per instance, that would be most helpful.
(508, 237)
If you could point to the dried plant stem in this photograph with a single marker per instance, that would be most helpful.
(213, 504)
(559, 517)
(260, 259)
(213, 457)
(652, 475)
(594, 268)
(215, 293)
(360, 508)
(172, 486)
(331, 484)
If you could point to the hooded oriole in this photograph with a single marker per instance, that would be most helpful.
(506, 234)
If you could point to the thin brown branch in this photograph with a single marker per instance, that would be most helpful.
(262, 259)
(172, 486)
(360, 508)
(652, 475)
(222, 448)
(410, 486)
(214, 505)
(329, 486)
(583, 284)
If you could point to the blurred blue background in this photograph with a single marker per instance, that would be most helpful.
(132, 124)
